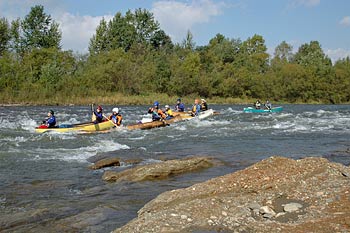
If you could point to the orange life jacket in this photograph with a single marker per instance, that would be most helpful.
(161, 113)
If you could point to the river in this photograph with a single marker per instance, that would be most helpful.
(45, 180)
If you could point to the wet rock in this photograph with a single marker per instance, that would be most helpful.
(132, 161)
(267, 212)
(160, 170)
(292, 207)
(226, 203)
(87, 221)
(107, 162)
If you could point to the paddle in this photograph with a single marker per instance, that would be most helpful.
(109, 119)
(93, 117)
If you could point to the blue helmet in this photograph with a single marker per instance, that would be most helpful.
(156, 103)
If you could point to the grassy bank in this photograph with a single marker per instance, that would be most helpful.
(119, 99)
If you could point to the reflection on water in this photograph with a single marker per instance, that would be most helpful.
(45, 180)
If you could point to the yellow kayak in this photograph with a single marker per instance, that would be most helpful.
(84, 127)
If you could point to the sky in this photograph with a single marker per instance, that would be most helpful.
(295, 21)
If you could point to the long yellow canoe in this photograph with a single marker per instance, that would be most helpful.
(84, 127)
(156, 124)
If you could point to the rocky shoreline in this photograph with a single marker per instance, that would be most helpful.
(275, 195)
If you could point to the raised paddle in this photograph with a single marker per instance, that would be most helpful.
(93, 117)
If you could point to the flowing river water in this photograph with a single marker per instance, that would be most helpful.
(45, 180)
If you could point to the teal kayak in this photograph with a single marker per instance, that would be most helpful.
(254, 110)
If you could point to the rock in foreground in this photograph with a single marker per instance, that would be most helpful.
(159, 170)
(274, 195)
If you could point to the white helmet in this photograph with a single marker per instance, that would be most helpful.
(115, 110)
(166, 106)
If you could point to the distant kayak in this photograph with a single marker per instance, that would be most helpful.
(254, 110)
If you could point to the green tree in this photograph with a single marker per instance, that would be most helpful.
(252, 54)
(312, 56)
(100, 41)
(138, 28)
(39, 30)
(188, 42)
(4, 35)
(283, 52)
(160, 40)
(145, 25)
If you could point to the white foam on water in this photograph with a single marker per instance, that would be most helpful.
(79, 154)
(75, 191)
(181, 127)
(6, 124)
(283, 125)
(231, 111)
(208, 123)
(137, 138)
(150, 161)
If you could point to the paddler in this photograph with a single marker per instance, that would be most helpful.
(50, 122)
(179, 107)
(98, 114)
(157, 114)
(204, 105)
(116, 117)
(168, 112)
(195, 108)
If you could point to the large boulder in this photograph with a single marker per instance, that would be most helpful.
(275, 195)
(159, 170)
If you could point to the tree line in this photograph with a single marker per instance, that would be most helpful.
(132, 56)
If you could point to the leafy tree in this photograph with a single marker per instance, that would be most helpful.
(125, 31)
(4, 35)
(253, 54)
(161, 40)
(312, 56)
(99, 42)
(15, 34)
(39, 30)
(145, 25)
(283, 52)
(188, 42)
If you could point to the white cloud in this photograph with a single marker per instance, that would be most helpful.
(176, 18)
(345, 21)
(307, 3)
(336, 54)
(19, 8)
(77, 30)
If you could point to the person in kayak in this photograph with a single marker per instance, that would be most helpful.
(268, 105)
(157, 114)
(50, 122)
(179, 107)
(195, 108)
(98, 114)
(168, 112)
(116, 117)
(204, 105)
(257, 104)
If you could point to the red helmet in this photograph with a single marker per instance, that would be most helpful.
(99, 108)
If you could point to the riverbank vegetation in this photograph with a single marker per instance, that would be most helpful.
(131, 60)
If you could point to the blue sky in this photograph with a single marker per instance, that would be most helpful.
(294, 21)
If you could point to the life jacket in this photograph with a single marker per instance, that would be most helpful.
(169, 112)
(194, 108)
(204, 106)
(161, 113)
(119, 119)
